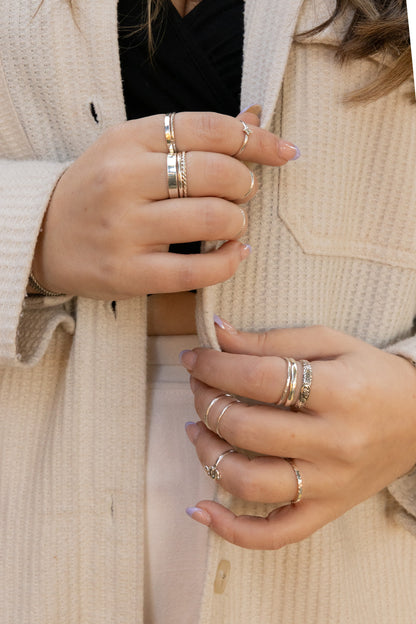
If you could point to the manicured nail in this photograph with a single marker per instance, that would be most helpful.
(256, 109)
(287, 150)
(225, 325)
(245, 251)
(191, 431)
(187, 358)
(198, 514)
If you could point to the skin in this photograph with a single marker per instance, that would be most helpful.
(356, 435)
(109, 224)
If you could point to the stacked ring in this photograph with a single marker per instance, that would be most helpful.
(170, 132)
(289, 397)
(177, 176)
(305, 388)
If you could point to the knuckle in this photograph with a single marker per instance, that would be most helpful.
(188, 277)
(216, 172)
(255, 376)
(110, 176)
(247, 487)
(209, 127)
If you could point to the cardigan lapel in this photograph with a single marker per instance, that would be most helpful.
(269, 28)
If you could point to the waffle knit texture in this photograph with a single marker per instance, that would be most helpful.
(334, 239)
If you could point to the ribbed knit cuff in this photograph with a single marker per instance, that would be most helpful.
(25, 190)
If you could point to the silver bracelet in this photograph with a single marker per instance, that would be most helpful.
(40, 290)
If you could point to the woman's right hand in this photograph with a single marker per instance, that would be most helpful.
(109, 224)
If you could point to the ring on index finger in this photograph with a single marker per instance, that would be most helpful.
(247, 133)
(170, 132)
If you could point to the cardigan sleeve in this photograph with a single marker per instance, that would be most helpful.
(404, 489)
(26, 323)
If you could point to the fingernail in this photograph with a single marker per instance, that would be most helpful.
(245, 251)
(191, 431)
(198, 514)
(287, 150)
(256, 109)
(225, 325)
(187, 358)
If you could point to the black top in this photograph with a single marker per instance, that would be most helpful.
(196, 65)
(197, 61)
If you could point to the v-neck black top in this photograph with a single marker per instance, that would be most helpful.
(196, 66)
(197, 61)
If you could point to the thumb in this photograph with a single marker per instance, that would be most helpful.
(251, 115)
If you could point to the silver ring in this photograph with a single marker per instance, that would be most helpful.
(305, 388)
(299, 481)
(212, 471)
(247, 133)
(172, 171)
(170, 132)
(251, 187)
(283, 397)
(211, 403)
(224, 409)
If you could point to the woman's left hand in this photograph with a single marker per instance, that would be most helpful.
(356, 434)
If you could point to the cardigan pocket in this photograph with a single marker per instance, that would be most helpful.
(353, 191)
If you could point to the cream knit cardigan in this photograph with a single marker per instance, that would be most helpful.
(334, 238)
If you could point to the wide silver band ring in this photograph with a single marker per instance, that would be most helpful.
(212, 471)
(299, 481)
(177, 175)
(170, 132)
(305, 388)
(247, 133)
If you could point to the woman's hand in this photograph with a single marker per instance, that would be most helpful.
(109, 224)
(355, 436)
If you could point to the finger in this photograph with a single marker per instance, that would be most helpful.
(170, 272)
(261, 378)
(208, 175)
(211, 132)
(260, 428)
(315, 342)
(189, 219)
(283, 526)
(257, 478)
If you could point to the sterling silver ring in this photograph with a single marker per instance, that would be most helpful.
(212, 471)
(247, 133)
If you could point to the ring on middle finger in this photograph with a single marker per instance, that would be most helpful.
(177, 175)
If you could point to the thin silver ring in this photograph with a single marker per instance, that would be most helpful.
(210, 405)
(212, 471)
(251, 186)
(299, 481)
(283, 397)
(247, 133)
(170, 132)
(224, 409)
